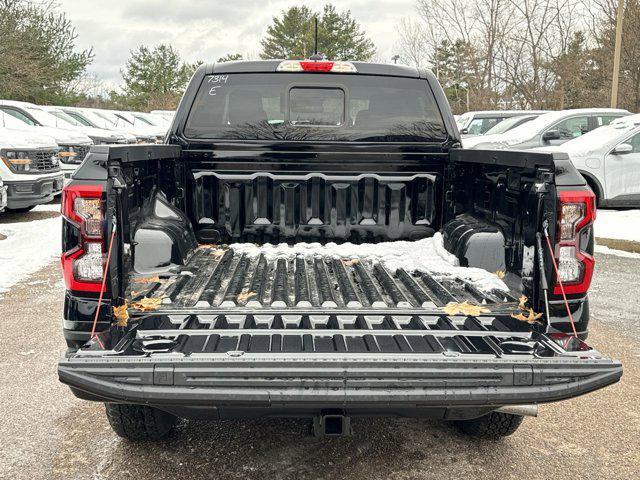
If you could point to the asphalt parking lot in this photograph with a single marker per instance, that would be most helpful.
(49, 434)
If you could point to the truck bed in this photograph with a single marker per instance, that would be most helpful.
(236, 298)
(215, 278)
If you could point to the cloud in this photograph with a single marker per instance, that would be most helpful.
(205, 29)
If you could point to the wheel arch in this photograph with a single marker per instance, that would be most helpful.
(595, 185)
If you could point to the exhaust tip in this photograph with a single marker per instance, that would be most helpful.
(523, 410)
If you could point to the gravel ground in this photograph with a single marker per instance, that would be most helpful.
(49, 434)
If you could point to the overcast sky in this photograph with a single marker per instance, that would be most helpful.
(206, 29)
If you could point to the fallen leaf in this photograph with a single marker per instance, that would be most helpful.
(350, 263)
(243, 297)
(499, 274)
(523, 302)
(532, 317)
(465, 308)
(218, 252)
(146, 279)
(147, 304)
(208, 245)
(121, 314)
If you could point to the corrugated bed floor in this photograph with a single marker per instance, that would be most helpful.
(222, 278)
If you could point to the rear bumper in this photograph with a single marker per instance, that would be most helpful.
(33, 192)
(291, 384)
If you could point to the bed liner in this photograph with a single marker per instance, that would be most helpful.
(217, 277)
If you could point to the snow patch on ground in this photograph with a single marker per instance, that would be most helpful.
(618, 253)
(426, 255)
(618, 224)
(29, 246)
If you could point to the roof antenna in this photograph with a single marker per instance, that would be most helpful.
(316, 55)
(315, 36)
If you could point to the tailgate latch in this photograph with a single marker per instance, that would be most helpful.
(163, 375)
(522, 375)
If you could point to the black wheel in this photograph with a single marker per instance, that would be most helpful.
(21, 210)
(139, 422)
(492, 425)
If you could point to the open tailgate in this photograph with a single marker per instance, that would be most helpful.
(367, 358)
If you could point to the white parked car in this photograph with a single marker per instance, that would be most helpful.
(480, 122)
(55, 117)
(167, 114)
(549, 129)
(90, 119)
(158, 121)
(609, 159)
(73, 145)
(511, 123)
(29, 168)
(118, 121)
(141, 124)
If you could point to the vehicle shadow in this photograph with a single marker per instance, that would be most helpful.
(285, 448)
(52, 210)
(23, 217)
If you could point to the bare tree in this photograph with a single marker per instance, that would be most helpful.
(524, 53)
(412, 43)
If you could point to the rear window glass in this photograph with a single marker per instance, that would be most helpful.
(315, 107)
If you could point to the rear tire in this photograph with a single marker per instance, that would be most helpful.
(139, 422)
(493, 425)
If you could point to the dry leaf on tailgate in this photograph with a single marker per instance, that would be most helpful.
(146, 279)
(147, 304)
(465, 308)
(218, 252)
(351, 262)
(523, 302)
(531, 317)
(121, 314)
(499, 274)
(243, 297)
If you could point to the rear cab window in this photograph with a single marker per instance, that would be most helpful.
(315, 107)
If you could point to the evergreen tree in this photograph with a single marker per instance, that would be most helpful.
(154, 78)
(230, 57)
(38, 58)
(340, 37)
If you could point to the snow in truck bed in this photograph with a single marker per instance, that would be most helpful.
(426, 255)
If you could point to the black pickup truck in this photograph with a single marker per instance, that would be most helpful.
(312, 241)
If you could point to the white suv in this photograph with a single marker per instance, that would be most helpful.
(74, 145)
(609, 160)
(29, 168)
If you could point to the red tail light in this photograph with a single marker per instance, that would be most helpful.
(316, 66)
(83, 263)
(576, 212)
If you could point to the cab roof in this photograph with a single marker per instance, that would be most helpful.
(268, 66)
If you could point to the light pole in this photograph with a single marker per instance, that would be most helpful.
(616, 55)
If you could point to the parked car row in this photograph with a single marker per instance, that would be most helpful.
(475, 123)
(41, 146)
(602, 143)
